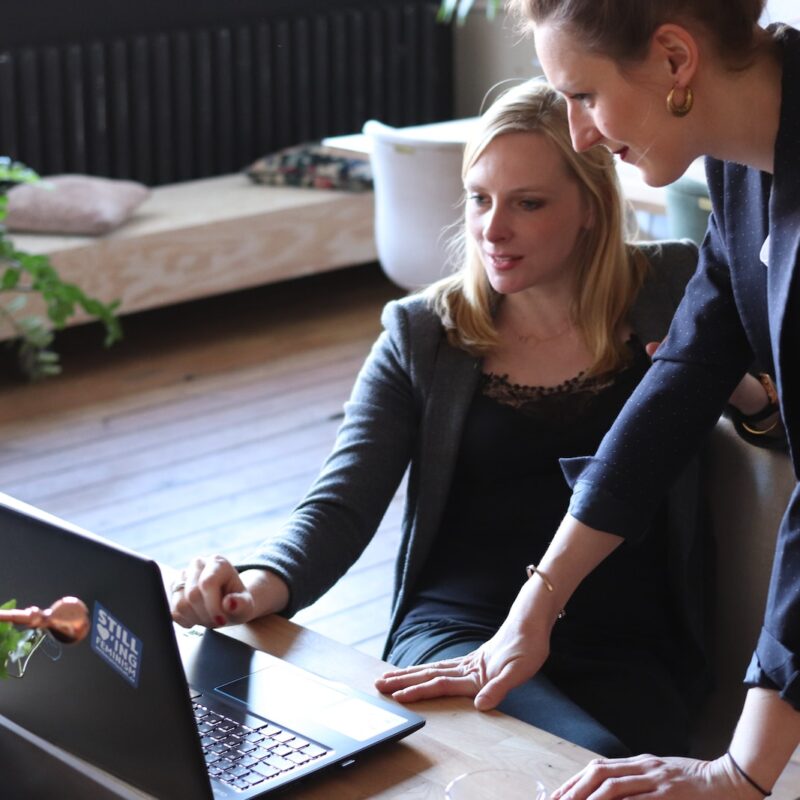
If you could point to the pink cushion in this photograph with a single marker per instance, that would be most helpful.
(73, 204)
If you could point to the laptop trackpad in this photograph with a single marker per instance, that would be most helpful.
(282, 692)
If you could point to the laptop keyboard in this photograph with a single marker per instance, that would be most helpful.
(244, 756)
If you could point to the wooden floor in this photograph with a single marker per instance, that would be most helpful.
(200, 432)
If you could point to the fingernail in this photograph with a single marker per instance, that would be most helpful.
(233, 603)
(219, 620)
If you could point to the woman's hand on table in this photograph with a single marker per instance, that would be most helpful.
(522, 643)
(211, 592)
(651, 776)
(512, 656)
(487, 674)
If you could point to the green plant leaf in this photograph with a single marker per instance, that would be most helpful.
(10, 279)
(13, 172)
(447, 10)
(9, 640)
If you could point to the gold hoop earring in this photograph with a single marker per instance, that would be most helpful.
(683, 109)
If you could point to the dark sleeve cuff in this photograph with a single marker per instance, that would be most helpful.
(611, 510)
(774, 666)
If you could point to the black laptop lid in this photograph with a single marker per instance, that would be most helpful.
(118, 699)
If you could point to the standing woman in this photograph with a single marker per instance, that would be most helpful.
(660, 83)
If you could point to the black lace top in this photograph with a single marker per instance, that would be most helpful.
(565, 402)
(509, 495)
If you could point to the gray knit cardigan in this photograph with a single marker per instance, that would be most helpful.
(407, 411)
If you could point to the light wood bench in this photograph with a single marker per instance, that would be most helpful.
(206, 237)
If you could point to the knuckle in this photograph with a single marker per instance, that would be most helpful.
(192, 594)
(432, 673)
(599, 771)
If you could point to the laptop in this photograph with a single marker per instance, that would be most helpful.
(175, 713)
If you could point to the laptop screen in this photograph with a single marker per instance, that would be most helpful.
(118, 699)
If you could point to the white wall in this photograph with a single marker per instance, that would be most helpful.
(485, 54)
(782, 11)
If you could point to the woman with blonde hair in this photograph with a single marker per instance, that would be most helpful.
(478, 386)
(609, 273)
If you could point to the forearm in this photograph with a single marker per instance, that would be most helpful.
(766, 736)
(521, 645)
(576, 549)
(270, 592)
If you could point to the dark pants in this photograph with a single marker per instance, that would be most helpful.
(615, 704)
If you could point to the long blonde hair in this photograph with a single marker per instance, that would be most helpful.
(609, 271)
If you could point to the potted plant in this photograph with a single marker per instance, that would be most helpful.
(24, 274)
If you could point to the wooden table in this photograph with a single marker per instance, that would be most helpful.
(456, 737)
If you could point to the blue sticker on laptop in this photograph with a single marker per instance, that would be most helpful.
(116, 644)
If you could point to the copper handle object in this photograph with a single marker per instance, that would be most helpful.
(67, 619)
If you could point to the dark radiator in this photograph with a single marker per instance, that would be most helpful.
(161, 105)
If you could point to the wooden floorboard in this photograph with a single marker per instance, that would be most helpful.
(182, 438)
(203, 429)
(149, 409)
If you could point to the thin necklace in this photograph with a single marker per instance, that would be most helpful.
(537, 340)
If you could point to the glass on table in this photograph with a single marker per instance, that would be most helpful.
(490, 784)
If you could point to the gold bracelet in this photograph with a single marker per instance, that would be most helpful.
(532, 570)
(757, 432)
